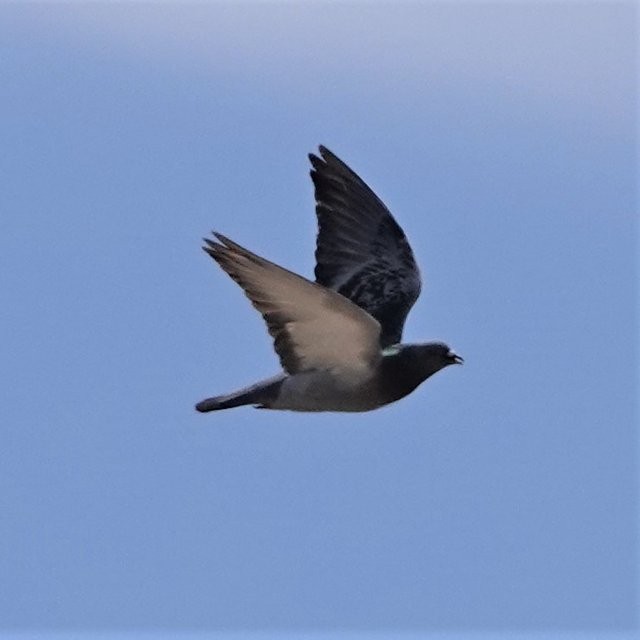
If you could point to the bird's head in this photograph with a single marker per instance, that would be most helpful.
(406, 366)
(426, 358)
(435, 356)
(441, 354)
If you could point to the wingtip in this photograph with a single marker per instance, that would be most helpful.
(220, 237)
(228, 243)
(316, 162)
(222, 241)
(225, 246)
(210, 247)
(324, 155)
(327, 154)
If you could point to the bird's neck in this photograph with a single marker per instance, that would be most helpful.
(404, 368)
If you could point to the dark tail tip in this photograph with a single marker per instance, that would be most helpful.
(210, 404)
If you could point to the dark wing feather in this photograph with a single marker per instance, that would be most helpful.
(361, 251)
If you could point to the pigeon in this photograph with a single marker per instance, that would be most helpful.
(338, 338)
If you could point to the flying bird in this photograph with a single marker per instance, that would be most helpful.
(338, 338)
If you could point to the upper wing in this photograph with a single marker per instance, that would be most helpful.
(362, 253)
(312, 327)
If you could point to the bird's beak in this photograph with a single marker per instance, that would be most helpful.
(457, 359)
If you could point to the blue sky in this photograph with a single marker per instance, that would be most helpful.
(500, 497)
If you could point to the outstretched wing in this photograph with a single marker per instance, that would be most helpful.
(361, 252)
(312, 326)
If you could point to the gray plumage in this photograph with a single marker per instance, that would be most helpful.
(337, 338)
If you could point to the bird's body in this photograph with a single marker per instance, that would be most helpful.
(337, 338)
(397, 375)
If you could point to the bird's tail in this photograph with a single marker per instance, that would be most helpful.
(222, 402)
(260, 394)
